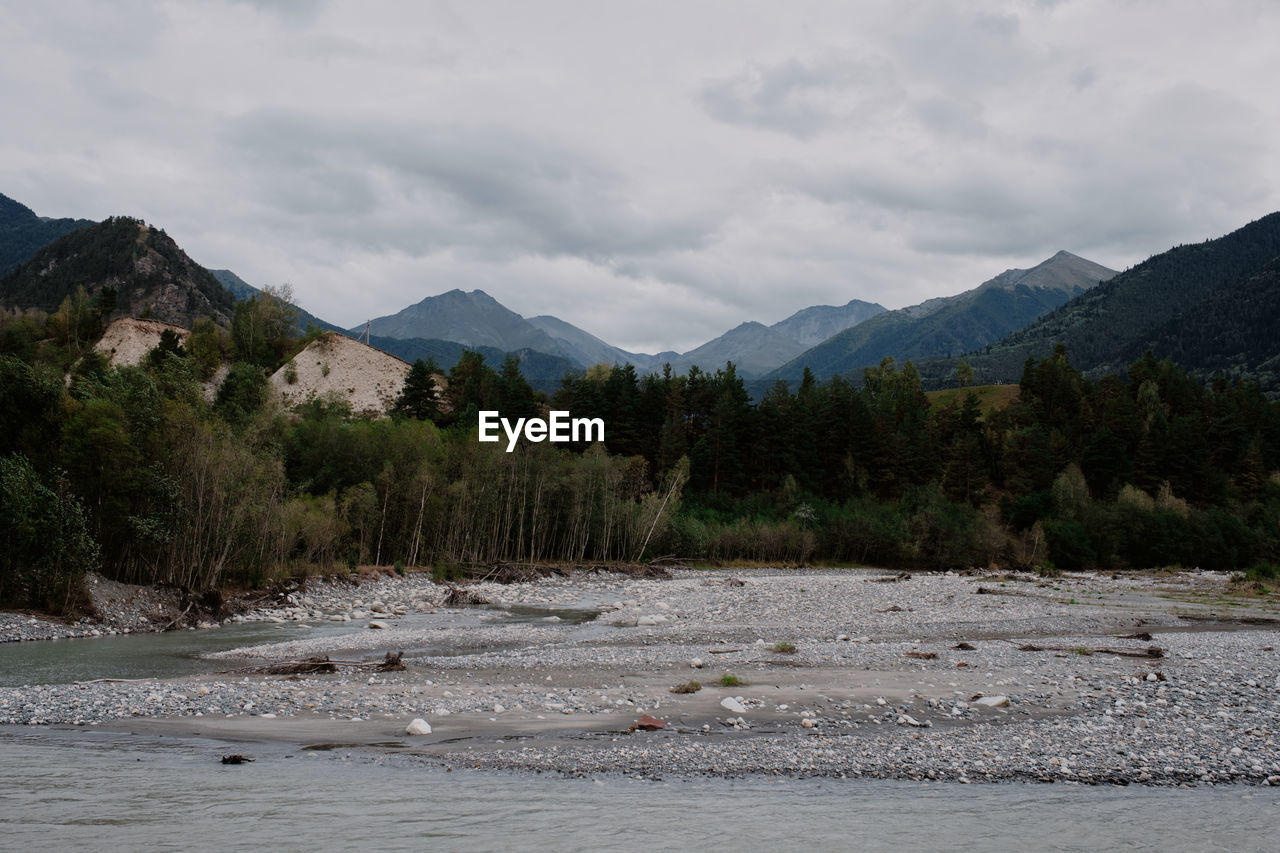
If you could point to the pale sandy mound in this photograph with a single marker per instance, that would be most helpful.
(367, 378)
(127, 341)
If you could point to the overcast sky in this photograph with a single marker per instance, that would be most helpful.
(653, 172)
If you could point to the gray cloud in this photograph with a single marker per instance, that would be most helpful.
(803, 98)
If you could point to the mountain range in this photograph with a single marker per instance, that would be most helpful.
(476, 319)
(952, 325)
(1211, 307)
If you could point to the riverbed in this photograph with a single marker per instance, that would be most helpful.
(1162, 680)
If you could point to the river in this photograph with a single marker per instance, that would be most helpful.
(66, 789)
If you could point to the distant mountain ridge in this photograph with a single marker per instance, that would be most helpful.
(1210, 306)
(953, 324)
(813, 325)
(473, 318)
(22, 233)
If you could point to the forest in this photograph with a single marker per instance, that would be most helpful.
(135, 473)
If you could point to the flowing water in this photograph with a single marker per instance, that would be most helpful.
(96, 790)
(177, 653)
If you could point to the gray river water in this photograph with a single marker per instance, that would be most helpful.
(177, 653)
(95, 790)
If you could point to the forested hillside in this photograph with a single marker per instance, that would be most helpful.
(1207, 305)
(22, 233)
(137, 266)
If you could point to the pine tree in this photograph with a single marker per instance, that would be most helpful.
(418, 398)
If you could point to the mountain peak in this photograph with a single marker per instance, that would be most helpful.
(148, 270)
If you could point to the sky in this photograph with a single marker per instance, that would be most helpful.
(653, 172)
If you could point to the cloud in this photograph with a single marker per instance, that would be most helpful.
(654, 174)
(485, 192)
(803, 97)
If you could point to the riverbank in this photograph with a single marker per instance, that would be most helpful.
(848, 673)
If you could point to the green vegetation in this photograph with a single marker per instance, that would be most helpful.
(22, 233)
(731, 680)
(687, 687)
(784, 648)
(131, 471)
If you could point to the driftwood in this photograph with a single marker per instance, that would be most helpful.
(113, 680)
(392, 662)
(722, 651)
(923, 655)
(459, 597)
(303, 667)
(965, 647)
(237, 758)
(1148, 652)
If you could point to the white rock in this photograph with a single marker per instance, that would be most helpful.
(1151, 676)
(647, 621)
(418, 727)
(441, 712)
(376, 625)
(808, 722)
(696, 663)
(732, 705)
(992, 701)
(498, 709)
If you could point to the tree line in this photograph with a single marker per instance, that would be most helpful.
(137, 473)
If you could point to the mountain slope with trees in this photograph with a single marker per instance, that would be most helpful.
(139, 268)
(22, 233)
(1209, 306)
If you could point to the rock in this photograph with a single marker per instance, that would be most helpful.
(376, 625)
(647, 621)
(733, 706)
(418, 727)
(441, 712)
(499, 709)
(808, 722)
(647, 723)
(992, 701)
(696, 663)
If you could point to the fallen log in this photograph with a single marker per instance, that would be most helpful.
(1148, 652)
